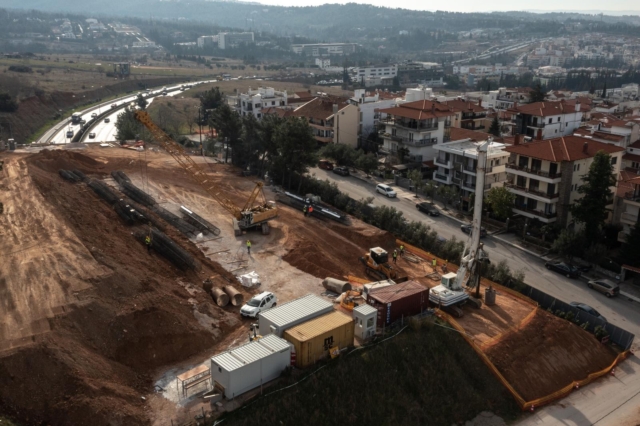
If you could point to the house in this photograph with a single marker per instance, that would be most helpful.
(254, 101)
(473, 114)
(226, 40)
(627, 204)
(613, 129)
(631, 159)
(332, 120)
(457, 162)
(418, 126)
(545, 175)
(509, 98)
(546, 120)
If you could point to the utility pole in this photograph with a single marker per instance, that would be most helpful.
(200, 125)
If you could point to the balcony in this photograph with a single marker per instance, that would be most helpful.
(441, 162)
(530, 213)
(414, 142)
(629, 218)
(446, 179)
(536, 125)
(536, 172)
(422, 125)
(469, 185)
(532, 191)
(632, 196)
(323, 139)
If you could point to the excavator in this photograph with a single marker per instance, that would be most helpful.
(376, 264)
(450, 294)
(250, 216)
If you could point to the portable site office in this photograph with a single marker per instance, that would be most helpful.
(249, 366)
(277, 320)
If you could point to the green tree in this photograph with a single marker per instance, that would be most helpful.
(501, 202)
(7, 103)
(537, 94)
(604, 91)
(342, 154)
(569, 244)
(415, 176)
(367, 163)
(591, 208)
(142, 102)
(595, 252)
(211, 99)
(247, 150)
(630, 252)
(229, 126)
(127, 127)
(494, 129)
(296, 149)
(430, 189)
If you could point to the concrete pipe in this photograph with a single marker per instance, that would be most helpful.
(221, 298)
(236, 297)
(336, 286)
(207, 285)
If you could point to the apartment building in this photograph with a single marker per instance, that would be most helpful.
(506, 98)
(457, 162)
(418, 126)
(369, 104)
(545, 175)
(627, 204)
(609, 127)
(324, 49)
(546, 120)
(473, 114)
(382, 71)
(206, 41)
(254, 102)
(227, 40)
(332, 120)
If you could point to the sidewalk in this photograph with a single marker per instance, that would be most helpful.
(630, 291)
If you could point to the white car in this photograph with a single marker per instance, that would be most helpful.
(386, 190)
(258, 303)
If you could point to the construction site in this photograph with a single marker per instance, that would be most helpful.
(97, 327)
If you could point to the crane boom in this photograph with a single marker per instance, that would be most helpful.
(249, 216)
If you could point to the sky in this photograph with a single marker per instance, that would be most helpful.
(585, 6)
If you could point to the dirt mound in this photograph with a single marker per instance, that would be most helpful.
(548, 354)
(54, 160)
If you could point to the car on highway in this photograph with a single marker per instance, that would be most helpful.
(605, 286)
(69, 134)
(563, 268)
(588, 309)
(106, 120)
(428, 208)
(259, 303)
(468, 228)
(342, 171)
(386, 190)
(92, 135)
(94, 115)
(113, 106)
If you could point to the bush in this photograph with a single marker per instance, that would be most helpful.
(21, 68)
(7, 104)
(585, 325)
(570, 316)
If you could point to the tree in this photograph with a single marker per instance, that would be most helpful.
(296, 149)
(430, 189)
(229, 126)
(537, 94)
(415, 176)
(7, 104)
(591, 209)
(367, 163)
(494, 129)
(342, 154)
(569, 244)
(127, 127)
(630, 252)
(501, 201)
(595, 252)
(142, 102)
(402, 153)
(210, 100)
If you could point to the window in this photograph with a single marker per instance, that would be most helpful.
(550, 120)
(273, 102)
(558, 119)
(370, 323)
(614, 160)
(566, 124)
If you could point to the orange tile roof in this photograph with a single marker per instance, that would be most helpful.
(319, 108)
(636, 144)
(545, 109)
(458, 133)
(599, 135)
(420, 110)
(466, 106)
(568, 148)
(627, 181)
(280, 112)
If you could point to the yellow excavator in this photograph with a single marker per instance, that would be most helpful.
(376, 264)
(248, 217)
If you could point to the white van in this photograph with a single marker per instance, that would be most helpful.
(386, 190)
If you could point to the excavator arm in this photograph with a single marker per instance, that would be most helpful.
(196, 172)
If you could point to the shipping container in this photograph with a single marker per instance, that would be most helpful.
(277, 320)
(313, 339)
(249, 366)
(398, 301)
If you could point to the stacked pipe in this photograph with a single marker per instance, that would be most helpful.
(103, 191)
(69, 175)
(181, 225)
(221, 298)
(236, 297)
(80, 175)
(128, 213)
(137, 194)
(120, 177)
(168, 248)
(199, 222)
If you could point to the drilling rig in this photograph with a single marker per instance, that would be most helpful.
(451, 294)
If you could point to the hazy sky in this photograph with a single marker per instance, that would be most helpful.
(477, 6)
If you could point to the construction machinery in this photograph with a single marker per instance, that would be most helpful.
(250, 216)
(450, 294)
(376, 264)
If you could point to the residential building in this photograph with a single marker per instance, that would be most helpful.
(332, 120)
(545, 175)
(369, 104)
(324, 49)
(546, 120)
(631, 160)
(144, 44)
(627, 205)
(610, 127)
(323, 63)
(473, 114)
(418, 126)
(226, 40)
(382, 71)
(457, 162)
(207, 41)
(506, 98)
(254, 101)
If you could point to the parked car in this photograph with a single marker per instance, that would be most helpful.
(605, 286)
(428, 208)
(342, 171)
(258, 303)
(565, 269)
(106, 120)
(92, 135)
(468, 228)
(325, 164)
(588, 309)
(386, 190)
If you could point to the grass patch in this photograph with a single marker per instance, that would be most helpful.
(6, 422)
(428, 375)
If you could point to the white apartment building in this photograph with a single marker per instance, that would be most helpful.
(324, 49)
(373, 71)
(369, 105)
(226, 40)
(254, 101)
(206, 41)
(547, 120)
(323, 63)
(457, 163)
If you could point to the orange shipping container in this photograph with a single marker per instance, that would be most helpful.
(313, 339)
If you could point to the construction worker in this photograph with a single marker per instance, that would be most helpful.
(401, 250)
(248, 247)
(147, 241)
(310, 210)
(395, 256)
(305, 210)
(445, 266)
(434, 264)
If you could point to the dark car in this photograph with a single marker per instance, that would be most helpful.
(468, 228)
(427, 208)
(588, 309)
(565, 269)
(342, 171)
